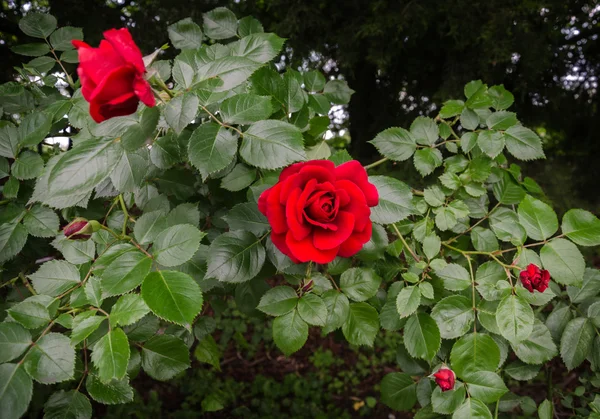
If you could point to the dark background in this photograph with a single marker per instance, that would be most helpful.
(404, 58)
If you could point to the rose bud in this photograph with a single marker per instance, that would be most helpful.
(112, 76)
(445, 378)
(308, 286)
(80, 229)
(318, 211)
(534, 278)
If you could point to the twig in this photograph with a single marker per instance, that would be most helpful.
(412, 252)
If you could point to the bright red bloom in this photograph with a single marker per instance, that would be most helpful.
(318, 211)
(445, 378)
(112, 75)
(534, 278)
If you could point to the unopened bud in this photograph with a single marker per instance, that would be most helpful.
(78, 229)
(307, 286)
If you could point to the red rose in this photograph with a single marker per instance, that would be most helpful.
(535, 278)
(318, 211)
(445, 378)
(78, 229)
(112, 75)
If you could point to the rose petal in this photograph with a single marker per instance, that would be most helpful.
(97, 62)
(116, 83)
(328, 239)
(123, 43)
(354, 172)
(293, 212)
(143, 91)
(275, 212)
(356, 203)
(279, 242)
(305, 250)
(119, 106)
(356, 241)
(262, 201)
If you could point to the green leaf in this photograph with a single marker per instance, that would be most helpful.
(588, 290)
(246, 108)
(125, 273)
(424, 130)
(246, 216)
(30, 314)
(538, 218)
(34, 128)
(564, 261)
(176, 245)
(110, 355)
(211, 148)
(408, 301)
(338, 308)
(545, 410)
(85, 324)
(427, 159)
(14, 340)
(113, 392)
(314, 81)
(469, 119)
(68, 405)
(78, 171)
(38, 25)
(505, 225)
(27, 165)
(474, 352)
(51, 360)
(523, 143)
(272, 144)
(451, 108)
(220, 23)
(395, 200)
(491, 143)
(515, 318)
(173, 296)
(446, 402)
(290, 332)
(455, 277)
(93, 291)
(501, 98)
(62, 37)
(338, 92)
(129, 172)
(398, 391)
(486, 386)
(55, 277)
(362, 324)
(538, 347)
(582, 227)
(41, 221)
(521, 371)
(278, 301)
(185, 34)
(127, 310)
(186, 213)
(395, 143)
(431, 246)
(445, 219)
(484, 240)
(501, 120)
(207, 351)
(164, 357)
(472, 409)
(360, 284)
(16, 389)
(454, 316)
(576, 342)
(180, 111)
(312, 309)
(239, 178)
(236, 256)
(422, 336)
(12, 240)
(149, 226)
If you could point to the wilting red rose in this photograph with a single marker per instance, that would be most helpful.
(78, 229)
(445, 378)
(534, 278)
(318, 211)
(112, 76)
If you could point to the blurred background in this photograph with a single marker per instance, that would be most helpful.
(403, 58)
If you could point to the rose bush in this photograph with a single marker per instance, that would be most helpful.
(226, 195)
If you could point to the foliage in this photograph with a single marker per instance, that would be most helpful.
(171, 194)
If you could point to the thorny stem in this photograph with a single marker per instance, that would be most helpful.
(453, 239)
(69, 79)
(218, 121)
(126, 214)
(375, 164)
(27, 284)
(406, 246)
(164, 87)
(472, 291)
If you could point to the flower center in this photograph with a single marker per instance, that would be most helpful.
(321, 208)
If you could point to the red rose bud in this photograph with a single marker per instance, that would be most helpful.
(318, 211)
(308, 286)
(445, 378)
(80, 229)
(534, 278)
(112, 76)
